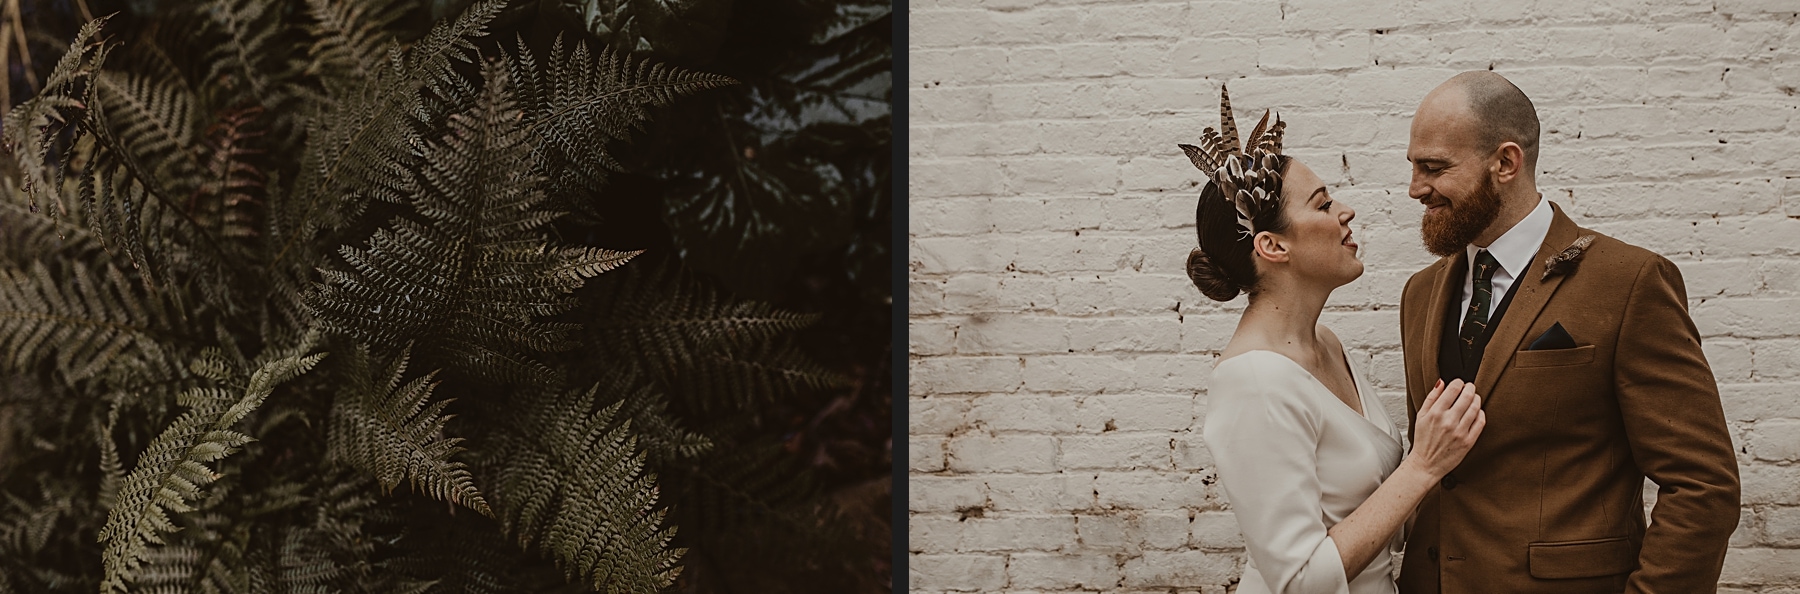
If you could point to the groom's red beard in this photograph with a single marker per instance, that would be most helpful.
(1447, 231)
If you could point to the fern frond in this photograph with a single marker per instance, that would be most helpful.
(226, 200)
(366, 144)
(26, 236)
(89, 321)
(126, 201)
(112, 473)
(707, 349)
(28, 526)
(647, 409)
(747, 482)
(33, 126)
(394, 432)
(741, 378)
(580, 102)
(471, 281)
(247, 28)
(673, 318)
(306, 569)
(350, 40)
(571, 482)
(432, 59)
(211, 553)
(366, 138)
(172, 470)
(154, 118)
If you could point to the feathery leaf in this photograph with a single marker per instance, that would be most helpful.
(172, 471)
(571, 482)
(393, 432)
(470, 282)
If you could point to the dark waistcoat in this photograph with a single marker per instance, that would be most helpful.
(1450, 363)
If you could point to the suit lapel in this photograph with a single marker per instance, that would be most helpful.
(1531, 292)
(1429, 331)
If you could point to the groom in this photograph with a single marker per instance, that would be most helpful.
(1589, 368)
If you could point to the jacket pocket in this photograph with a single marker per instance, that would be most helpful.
(1554, 358)
(1582, 558)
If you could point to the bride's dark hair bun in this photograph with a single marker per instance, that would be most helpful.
(1211, 279)
(1221, 267)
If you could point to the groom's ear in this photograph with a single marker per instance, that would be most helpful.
(1269, 247)
(1510, 162)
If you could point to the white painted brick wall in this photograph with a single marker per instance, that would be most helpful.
(1060, 357)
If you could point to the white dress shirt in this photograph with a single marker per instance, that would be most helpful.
(1513, 250)
(1294, 460)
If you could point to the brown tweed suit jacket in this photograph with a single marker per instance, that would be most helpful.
(1550, 499)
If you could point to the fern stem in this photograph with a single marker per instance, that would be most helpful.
(151, 187)
(12, 6)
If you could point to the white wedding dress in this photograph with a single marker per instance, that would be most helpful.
(1295, 460)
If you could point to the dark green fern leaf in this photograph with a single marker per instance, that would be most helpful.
(570, 481)
(672, 318)
(26, 236)
(248, 61)
(393, 432)
(226, 202)
(706, 349)
(471, 282)
(757, 374)
(90, 322)
(799, 155)
(362, 141)
(686, 32)
(33, 126)
(367, 145)
(744, 483)
(172, 470)
(579, 102)
(153, 116)
(657, 430)
(351, 40)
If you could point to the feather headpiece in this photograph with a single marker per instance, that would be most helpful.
(1250, 178)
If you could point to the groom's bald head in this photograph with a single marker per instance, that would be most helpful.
(1473, 146)
(1495, 110)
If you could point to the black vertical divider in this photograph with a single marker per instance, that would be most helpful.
(899, 575)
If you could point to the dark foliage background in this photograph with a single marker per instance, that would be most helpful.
(774, 190)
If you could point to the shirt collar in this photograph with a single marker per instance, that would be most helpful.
(1516, 247)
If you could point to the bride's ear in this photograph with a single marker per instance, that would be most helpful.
(1269, 247)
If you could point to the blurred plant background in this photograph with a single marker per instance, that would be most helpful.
(747, 345)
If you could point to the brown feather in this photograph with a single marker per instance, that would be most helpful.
(1565, 261)
(1198, 157)
(1256, 134)
(1227, 124)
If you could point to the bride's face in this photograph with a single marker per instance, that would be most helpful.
(1318, 238)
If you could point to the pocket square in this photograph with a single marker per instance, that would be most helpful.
(1554, 338)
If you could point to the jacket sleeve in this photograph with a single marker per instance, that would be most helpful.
(1264, 442)
(1677, 433)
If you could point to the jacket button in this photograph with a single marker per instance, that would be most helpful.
(1449, 482)
(1432, 551)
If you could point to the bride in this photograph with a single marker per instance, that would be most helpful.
(1308, 458)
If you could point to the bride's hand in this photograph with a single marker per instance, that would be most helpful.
(1447, 426)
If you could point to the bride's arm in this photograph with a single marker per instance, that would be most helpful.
(1446, 429)
(1264, 427)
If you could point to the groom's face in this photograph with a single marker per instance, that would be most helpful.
(1452, 176)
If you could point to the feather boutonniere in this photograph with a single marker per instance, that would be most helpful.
(1564, 262)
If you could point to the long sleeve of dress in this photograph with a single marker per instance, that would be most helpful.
(1264, 435)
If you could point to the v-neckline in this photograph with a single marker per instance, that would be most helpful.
(1354, 384)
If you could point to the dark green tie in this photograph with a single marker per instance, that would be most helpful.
(1475, 321)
